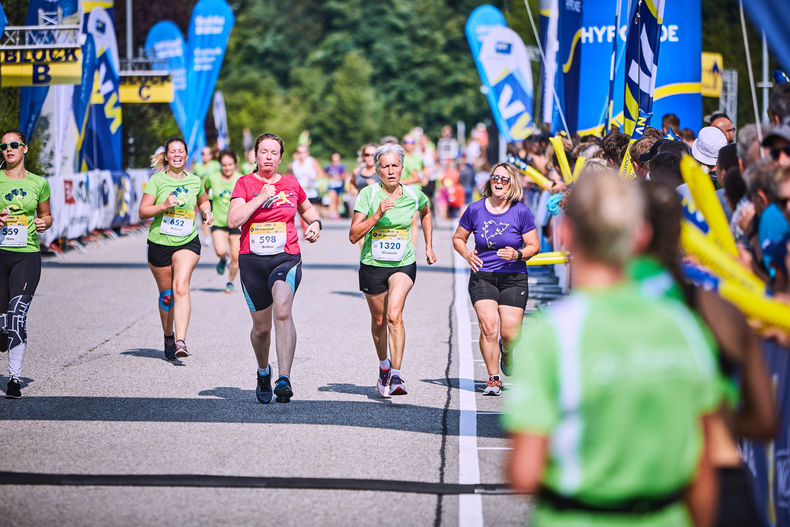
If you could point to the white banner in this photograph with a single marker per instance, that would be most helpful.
(89, 201)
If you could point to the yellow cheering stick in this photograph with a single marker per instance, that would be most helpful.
(704, 195)
(549, 258)
(559, 151)
(768, 310)
(529, 171)
(695, 243)
(577, 168)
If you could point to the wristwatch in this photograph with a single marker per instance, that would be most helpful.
(520, 256)
(320, 225)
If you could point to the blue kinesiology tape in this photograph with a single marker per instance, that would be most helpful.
(166, 300)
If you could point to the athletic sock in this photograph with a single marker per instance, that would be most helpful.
(494, 377)
(395, 372)
(16, 355)
(384, 364)
(264, 371)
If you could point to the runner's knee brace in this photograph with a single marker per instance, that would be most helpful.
(166, 299)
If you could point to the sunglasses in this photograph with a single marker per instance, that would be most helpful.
(503, 179)
(13, 145)
(775, 152)
(367, 155)
(782, 202)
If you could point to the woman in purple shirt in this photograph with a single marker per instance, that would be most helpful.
(505, 237)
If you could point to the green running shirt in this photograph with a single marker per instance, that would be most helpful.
(22, 197)
(617, 382)
(221, 190)
(179, 222)
(389, 243)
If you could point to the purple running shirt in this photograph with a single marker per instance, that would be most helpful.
(497, 231)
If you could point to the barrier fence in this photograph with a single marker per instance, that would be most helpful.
(97, 200)
(769, 463)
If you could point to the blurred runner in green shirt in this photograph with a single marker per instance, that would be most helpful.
(610, 387)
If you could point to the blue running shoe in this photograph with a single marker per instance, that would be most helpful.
(283, 390)
(397, 386)
(170, 347)
(221, 266)
(264, 389)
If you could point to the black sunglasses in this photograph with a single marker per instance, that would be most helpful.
(775, 152)
(782, 202)
(13, 145)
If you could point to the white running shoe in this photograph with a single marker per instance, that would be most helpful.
(382, 384)
(493, 387)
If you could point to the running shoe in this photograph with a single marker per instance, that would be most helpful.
(13, 391)
(170, 347)
(181, 349)
(283, 390)
(221, 266)
(397, 386)
(505, 360)
(382, 384)
(229, 287)
(493, 387)
(264, 389)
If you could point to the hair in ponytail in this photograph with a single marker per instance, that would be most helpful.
(159, 160)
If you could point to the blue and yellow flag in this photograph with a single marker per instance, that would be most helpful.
(780, 76)
(641, 60)
(671, 136)
(569, 61)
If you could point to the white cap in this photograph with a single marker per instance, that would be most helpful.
(706, 146)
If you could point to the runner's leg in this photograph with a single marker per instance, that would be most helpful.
(399, 286)
(378, 326)
(260, 335)
(488, 320)
(235, 240)
(510, 318)
(164, 281)
(184, 262)
(220, 239)
(284, 328)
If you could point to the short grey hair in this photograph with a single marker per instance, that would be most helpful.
(388, 148)
(746, 137)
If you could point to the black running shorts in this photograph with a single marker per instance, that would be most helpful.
(374, 280)
(258, 274)
(162, 255)
(506, 289)
(226, 229)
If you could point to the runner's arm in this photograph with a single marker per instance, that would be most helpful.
(205, 207)
(700, 496)
(361, 224)
(459, 244)
(149, 209)
(531, 244)
(310, 216)
(427, 229)
(527, 461)
(43, 219)
(240, 210)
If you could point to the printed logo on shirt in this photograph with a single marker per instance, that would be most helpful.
(224, 196)
(492, 229)
(279, 200)
(15, 199)
(181, 195)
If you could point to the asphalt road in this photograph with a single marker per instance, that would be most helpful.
(110, 433)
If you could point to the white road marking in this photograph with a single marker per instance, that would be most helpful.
(470, 506)
(495, 448)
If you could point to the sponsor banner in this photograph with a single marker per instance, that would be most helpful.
(32, 97)
(209, 30)
(503, 65)
(165, 41)
(101, 199)
(773, 17)
(40, 67)
(677, 83)
(137, 88)
(3, 20)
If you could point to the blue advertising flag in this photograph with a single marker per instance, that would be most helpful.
(780, 76)
(31, 98)
(209, 30)
(549, 13)
(503, 65)
(101, 145)
(773, 17)
(641, 60)
(165, 41)
(81, 96)
(3, 20)
(569, 60)
(220, 120)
